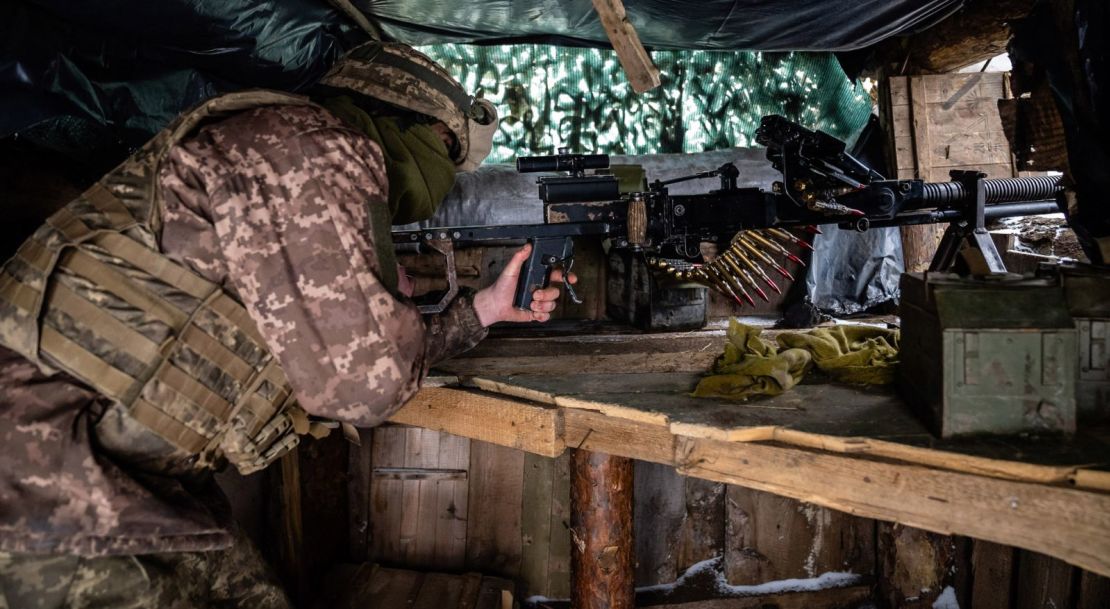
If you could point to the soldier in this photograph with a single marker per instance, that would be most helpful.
(228, 288)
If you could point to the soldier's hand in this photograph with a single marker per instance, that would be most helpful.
(405, 286)
(495, 303)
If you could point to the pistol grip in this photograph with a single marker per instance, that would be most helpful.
(535, 274)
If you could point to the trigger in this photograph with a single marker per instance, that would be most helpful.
(570, 287)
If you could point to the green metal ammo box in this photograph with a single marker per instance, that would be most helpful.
(987, 356)
(1087, 292)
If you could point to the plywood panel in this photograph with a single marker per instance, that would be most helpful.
(702, 535)
(1042, 581)
(493, 543)
(386, 494)
(992, 568)
(535, 522)
(772, 538)
(452, 497)
(659, 493)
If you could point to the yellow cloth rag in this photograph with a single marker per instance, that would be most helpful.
(750, 366)
(859, 355)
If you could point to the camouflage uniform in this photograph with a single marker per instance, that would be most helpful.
(272, 203)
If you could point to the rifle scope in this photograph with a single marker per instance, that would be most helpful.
(573, 163)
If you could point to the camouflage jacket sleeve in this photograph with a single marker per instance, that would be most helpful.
(287, 190)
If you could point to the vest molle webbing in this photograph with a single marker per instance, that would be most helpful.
(91, 294)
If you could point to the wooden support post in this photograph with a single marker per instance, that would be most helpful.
(634, 58)
(601, 531)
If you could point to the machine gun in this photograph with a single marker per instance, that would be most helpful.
(752, 228)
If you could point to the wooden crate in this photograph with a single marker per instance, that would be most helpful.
(937, 124)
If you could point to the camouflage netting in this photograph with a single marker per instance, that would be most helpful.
(579, 98)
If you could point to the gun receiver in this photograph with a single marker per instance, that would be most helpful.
(552, 248)
(821, 184)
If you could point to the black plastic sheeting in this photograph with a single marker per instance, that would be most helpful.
(132, 65)
(754, 25)
(851, 272)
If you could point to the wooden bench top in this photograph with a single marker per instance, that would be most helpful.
(857, 450)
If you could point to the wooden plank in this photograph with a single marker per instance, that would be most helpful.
(439, 591)
(963, 87)
(914, 566)
(919, 120)
(509, 365)
(417, 473)
(388, 450)
(995, 468)
(291, 566)
(559, 557)
(489, 418)
(828, 417)
(1042, 581)
(535, 523)
(452, 502)
(969, 149)
(773, 538)
(471, 587)
(597, 432)
(358, 496)
(702, 535)
(1094, 592)
(634, 58)
(659, 512)
(835, 598)
(495, 593)
(992, 567)
(1015, 513)
(421, 452)
(919, 243)
(493, 543)
(392, 588)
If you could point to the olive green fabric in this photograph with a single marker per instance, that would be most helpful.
(750, 366)
(859, 355)
(420, 170)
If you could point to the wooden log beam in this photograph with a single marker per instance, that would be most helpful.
(1021, 514)
(601, 531)
(634, 58)
(978, 31)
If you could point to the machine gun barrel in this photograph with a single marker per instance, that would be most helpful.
(997, 190)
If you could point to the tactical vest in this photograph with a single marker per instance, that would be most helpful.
(91, 293)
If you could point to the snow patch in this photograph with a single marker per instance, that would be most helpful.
(947, 599)
(713, 566)
(710, 570)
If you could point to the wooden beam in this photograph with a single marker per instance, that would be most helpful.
(1008, 502)
(978, 31)
(1065, 523)
(601, 531)
(486, 417)
(634, 58)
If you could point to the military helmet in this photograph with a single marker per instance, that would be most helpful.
(400, 75)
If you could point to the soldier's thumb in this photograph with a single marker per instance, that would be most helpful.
(512, 269)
